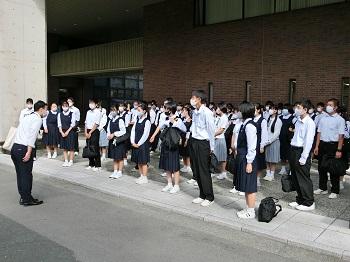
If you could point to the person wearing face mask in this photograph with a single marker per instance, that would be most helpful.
(152, 107)
(202, 144)
(22, 153)
(220, 151)
(102, 127)
(272, 149)
(184, 148)
(268, 106)
(134, 113)
(124, 114)
(312, 113)
(329, 144)
(76, 113)
(262, 137)
(92, 134)
(51, 134)
(170, 158)
(116, 128)
(140, 154)
(179, 110)
(286, 136)
(28, 110)
(66, 122)
(300, 158)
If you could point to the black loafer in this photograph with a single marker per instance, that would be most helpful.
(21, 201)
(32, 203)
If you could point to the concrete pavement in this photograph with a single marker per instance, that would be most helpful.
(318, 232)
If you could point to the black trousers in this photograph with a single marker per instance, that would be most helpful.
(330, 149)
(200, 163)
(301, 177)
(23, 171)
(94, 141)
(76, 139)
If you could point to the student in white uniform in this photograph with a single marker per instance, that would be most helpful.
(220, 151)
(300, 158)
(51, 135)
(102, 127)
(92, 134)
(22, 153)
(272, 149)
(28, 110)
(202, 145)
(330, 139)
(76, 113)
(66, 122)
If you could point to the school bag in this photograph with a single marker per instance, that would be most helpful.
(268, 209)
(171, 138)
(231, 164)
(287, 183)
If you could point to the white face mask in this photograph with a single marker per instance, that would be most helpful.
(239, 115)
(270, 112)
(285, 112)
(70, 104)
(267, 108)
(311, 111)
(193, 102)
(319, 109)
(29, 106)
(92, 106)
(121, 109)
(140, 114)
(298, 112)
(135, 106)
(113, 114)
(279, 111)
(329, 109)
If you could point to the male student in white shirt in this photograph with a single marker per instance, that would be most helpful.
(28, 110)
(22, 153)
(300, 157)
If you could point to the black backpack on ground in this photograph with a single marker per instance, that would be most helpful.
(268, 209)
(171, 138)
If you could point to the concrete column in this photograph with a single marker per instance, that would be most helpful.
(22, 58)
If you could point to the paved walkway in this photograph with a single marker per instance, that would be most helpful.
(325, 230)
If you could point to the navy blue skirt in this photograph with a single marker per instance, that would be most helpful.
(140, 156)
(117, 152)
(52, 138)
(285, 150)
(245, 182)
(260, 161)
(68, 142)
(169, 160)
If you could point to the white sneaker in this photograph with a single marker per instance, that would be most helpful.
(222, 176)
(320, 192)
(49, 155)
(70, 163)
(333, 196)
(197, 200)
(96, 169)
(184, 169)
(191, 181)
(175, 189)
(269, 178)
(76, 153)
(65, 164)
(88, 168)
(54, 155)
(306, 208)
(234, 191)
(119, 175)
(283, 171)
(142, 180)
(163, 174)
(293, 204)
(245, 214)
(341, 185)
(125, 162)
(241, 193)
(167, 188)
(206, 203)
(114, 174)
(128, 157)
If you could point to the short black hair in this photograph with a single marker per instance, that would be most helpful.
(70, 98)
(171, 106)
(200, 94)
(222, 107)
(269, 103)
(38, 105)
(335, 101)
(94, 100)
(305, 103)
(143, 105)
(320, 104)
(259, 107)
(29, 100)
(247, 110)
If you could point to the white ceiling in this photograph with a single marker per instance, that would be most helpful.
(89, 18)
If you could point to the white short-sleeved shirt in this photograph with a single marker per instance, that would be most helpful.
(330, 127)
(221, 122)
(92, 117)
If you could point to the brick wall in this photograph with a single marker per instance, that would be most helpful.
(310, 45)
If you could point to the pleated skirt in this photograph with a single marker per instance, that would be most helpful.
(52, 138)
(272, 152)
(260, 161)
(220, 149)
(140, 156)
(117, 152)
(245, 182)
(103, 141)
(68, 142)
(169, 160)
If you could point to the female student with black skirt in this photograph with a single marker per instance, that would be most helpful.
(170, 159)
(66, 122)
(184, 152)
(116, 128)
(51, 134)
(286, 136)
(245, 160)
(139, 141)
